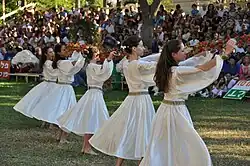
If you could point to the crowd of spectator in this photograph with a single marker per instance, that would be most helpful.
(34, 30)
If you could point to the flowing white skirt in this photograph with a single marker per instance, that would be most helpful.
(174, 141)
(87, 116)
(127, 132)
(59, 100)
(27, 104)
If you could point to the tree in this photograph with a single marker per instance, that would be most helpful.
(148, 11)
(78, 4)
(168, 4)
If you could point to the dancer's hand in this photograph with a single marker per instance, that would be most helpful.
(231, 44)
(111, 55)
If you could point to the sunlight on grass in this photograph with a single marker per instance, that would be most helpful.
(7, 84)
(113, 102)
(225, 134)
(7, 104)
(231, 149)
(79, 95)
(9, 97)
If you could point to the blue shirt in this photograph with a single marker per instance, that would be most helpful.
(194, 12)
(233, 70)
(8, 56)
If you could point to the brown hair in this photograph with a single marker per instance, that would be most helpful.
(166, 61)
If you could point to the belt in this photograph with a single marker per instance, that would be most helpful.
(64, 83)
(49, 81)
(137, 93)
(169, 102)
(93, 87)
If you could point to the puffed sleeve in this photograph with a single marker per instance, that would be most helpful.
(146, 67)
(152, 57)
(101, 72)
(190, 79)
(147, 72)
(68, 68)
(119, 66)
(194, 61)
(48, 69)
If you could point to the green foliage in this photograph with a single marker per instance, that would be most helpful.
(168, 4)
(94, 3)
(86, 28)
(10, 6)
(55, 3)
(125, 2)
(150, 1)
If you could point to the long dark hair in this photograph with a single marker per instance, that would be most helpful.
(58, 57)
(166, 61)
(44, 57)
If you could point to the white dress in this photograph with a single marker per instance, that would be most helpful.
(89, 114)
(27, 104)
(173, 140)
(61, 98)
(126, 133)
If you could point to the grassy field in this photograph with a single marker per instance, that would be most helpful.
(223, 124)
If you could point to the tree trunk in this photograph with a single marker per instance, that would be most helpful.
(147, 18)
(3, 7)
(23, 3)
(104, 3)
(147, 32)
(118, 3)
(78, 4)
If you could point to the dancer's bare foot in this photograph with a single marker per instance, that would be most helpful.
(53, 127)
(64, 141)
(58, 135)
(90, 151)
(43, 125)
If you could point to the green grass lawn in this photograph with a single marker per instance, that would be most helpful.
(223, 124)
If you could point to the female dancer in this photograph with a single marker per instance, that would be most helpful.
(126, 134)
(27, 104)
(174, 141)
(62, 98)
(89, 114)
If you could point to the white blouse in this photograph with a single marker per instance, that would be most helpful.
(188, 79)
(98, 74)
(49, 73)
(67, 69)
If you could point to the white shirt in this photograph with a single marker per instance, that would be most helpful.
(239, 50)
(65, 40)
(193, 42)
(110, 28)
(49, 40)
(1, 56)
(238, 26)
(186, 36)
(221, 12)
(202, 12)
(161, 37)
